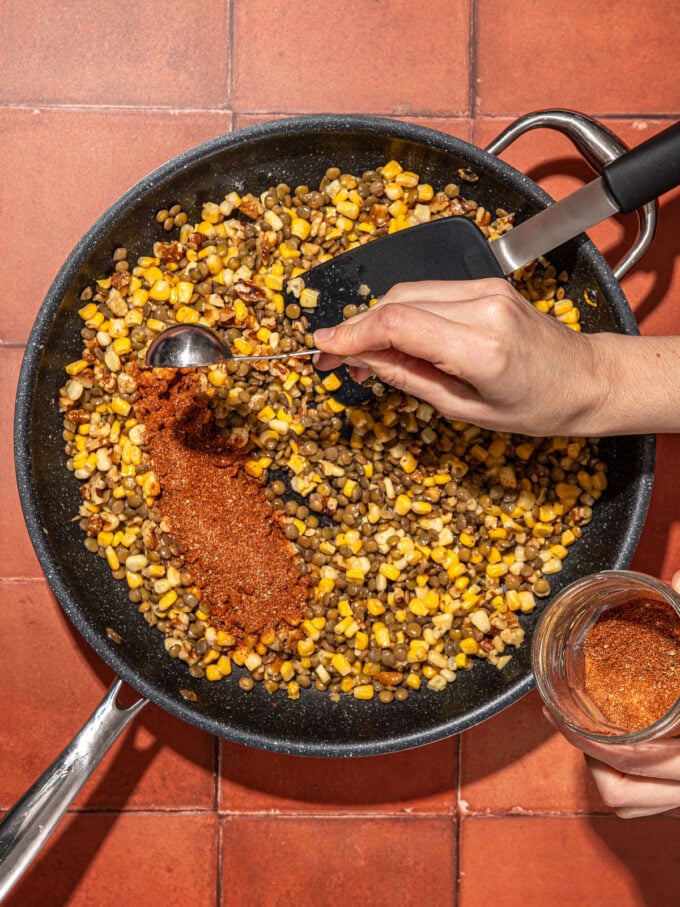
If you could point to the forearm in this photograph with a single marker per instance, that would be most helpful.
(636, 386)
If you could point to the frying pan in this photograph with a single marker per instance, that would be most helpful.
(294, 151)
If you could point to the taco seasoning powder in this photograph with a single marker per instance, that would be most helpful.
(231, 541)
(632, 663)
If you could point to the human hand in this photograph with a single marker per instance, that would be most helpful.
(476, 350)
(480, 353)
(638, 779)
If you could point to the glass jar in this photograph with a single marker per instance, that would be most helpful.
(558, 656)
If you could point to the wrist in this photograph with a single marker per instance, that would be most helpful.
(632, 385)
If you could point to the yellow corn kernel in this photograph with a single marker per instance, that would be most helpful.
(348, 209)
(469, 646)
(495, 571)
(461, 660)
(341, 665)
(567, 538)
(421, 507)
(160, 290)
(287, 671)
(361, 641)
(120, 407)
(599, 481)
(389, 571)
(381, 634)
(331, 382)
(212, 672)
(266, 414)
(326, 584)
(88, 311)
(186, 315)
(112, 558)
(309, 298)
(335, 406)
(363, 691)
(391, 169)
(156, 325)
(466, 539)
(375, 607)
(168, 599)
(300, 227)
(134, 580)
(413, 681)
(305, 647)
(524, 451)
(243, 346)
(543, 305)
(75, 368)
(217, 377)
(355, 575)
(408, 462)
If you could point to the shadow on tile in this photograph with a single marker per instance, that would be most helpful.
(417, 781)
(648, 848)
(68, 853)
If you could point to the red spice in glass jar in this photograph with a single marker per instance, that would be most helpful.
(632, 663)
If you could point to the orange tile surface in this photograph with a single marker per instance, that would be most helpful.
(330, 861)
(543, 860)
(92, 99)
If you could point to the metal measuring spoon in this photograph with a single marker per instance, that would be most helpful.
(193, 345)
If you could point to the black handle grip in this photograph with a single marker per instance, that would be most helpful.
(646, 172)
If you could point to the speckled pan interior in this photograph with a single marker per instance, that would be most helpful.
(294, 151)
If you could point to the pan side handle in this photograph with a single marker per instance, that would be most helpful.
(599, 146)
(31, 821)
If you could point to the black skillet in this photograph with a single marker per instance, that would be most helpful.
(294, 151)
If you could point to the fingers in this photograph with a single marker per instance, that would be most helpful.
(450, 345)
(658, 759)
(630, 796)
(447, 299)
(675, 582)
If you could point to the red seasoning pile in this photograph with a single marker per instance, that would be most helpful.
(632, 663)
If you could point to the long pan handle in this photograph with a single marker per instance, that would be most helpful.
(31, 821)
(646, 172)
(634, 179)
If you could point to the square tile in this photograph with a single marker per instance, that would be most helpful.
(17, 558)
(518, 763)
(100, 859)
(602, 861)
(65, 167)
(326, 861)
(422, 780)
(351, 57)
(576, 54)
(134, 53)
(51, 682)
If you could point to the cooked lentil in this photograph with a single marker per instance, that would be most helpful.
(422, 539)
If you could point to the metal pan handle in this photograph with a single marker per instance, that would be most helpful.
(599, 146)
(31, 821)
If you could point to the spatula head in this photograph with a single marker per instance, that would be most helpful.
(451, 248)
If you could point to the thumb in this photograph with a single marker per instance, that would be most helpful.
(675, 581)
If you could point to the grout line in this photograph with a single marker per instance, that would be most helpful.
(230, 56)
(43, 107)
(457, 863)
(472, 66)
(219, 883)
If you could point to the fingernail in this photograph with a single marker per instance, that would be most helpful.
(323, 334)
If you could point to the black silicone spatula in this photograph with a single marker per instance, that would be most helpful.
(454, 248)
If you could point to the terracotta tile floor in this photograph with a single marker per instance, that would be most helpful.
(92, 98)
